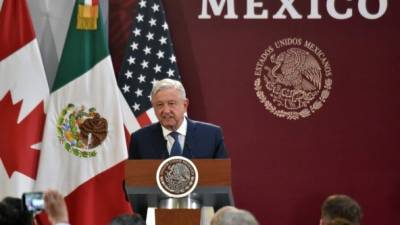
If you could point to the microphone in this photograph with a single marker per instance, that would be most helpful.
(165, 152)
(187, 145)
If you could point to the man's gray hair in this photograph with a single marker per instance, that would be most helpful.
(232, 216)
(168, 84)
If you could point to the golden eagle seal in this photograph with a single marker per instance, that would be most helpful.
(293, 78)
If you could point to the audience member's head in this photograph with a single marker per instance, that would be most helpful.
(340, 210)
(12, 213)
(230, 215)
(126, 219)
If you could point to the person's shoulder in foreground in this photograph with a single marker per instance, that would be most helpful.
(340, 210)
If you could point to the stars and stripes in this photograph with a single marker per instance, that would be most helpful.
(149, 57)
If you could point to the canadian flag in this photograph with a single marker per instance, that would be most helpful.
(23, 88)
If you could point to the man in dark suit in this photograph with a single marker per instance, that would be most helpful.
(175, 134)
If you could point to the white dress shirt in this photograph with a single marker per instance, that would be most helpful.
(181, 137)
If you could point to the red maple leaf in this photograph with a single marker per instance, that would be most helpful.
(16, 139)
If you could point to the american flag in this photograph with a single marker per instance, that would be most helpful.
(149, 57)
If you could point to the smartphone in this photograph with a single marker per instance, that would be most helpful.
(33, 201)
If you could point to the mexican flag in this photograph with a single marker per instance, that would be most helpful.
(84, 144)
(23, 88)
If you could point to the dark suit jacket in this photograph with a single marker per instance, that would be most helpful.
(203, 140)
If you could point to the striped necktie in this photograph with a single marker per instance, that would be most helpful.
(176, 147)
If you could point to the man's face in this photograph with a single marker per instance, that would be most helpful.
(170, 108)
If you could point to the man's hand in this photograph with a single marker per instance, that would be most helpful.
(55, 207)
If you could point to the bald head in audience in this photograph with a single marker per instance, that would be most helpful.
(230, 215)
(340, 210)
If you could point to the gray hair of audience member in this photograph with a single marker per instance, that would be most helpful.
(127, 219)
(341, 210)
(168, 84)
(230, 215)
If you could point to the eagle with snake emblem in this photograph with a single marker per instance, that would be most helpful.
(294, 79)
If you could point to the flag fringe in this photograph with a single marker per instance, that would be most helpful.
(87, 17)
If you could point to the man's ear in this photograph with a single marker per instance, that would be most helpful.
(321, 222)
(186, 103)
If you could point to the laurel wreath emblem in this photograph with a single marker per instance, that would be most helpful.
(177, 177)
(81, 131)
(293, 78)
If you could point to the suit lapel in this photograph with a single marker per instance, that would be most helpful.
(190, 140)
(159, 143)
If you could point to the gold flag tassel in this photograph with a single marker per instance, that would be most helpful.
(87, 17)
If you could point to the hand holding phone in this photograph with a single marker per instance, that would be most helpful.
(56, 207)
(51, 201)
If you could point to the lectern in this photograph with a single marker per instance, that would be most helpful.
(213, 189)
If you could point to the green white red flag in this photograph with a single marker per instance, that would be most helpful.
(84, 144)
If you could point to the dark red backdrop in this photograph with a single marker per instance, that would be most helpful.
(283, 170)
